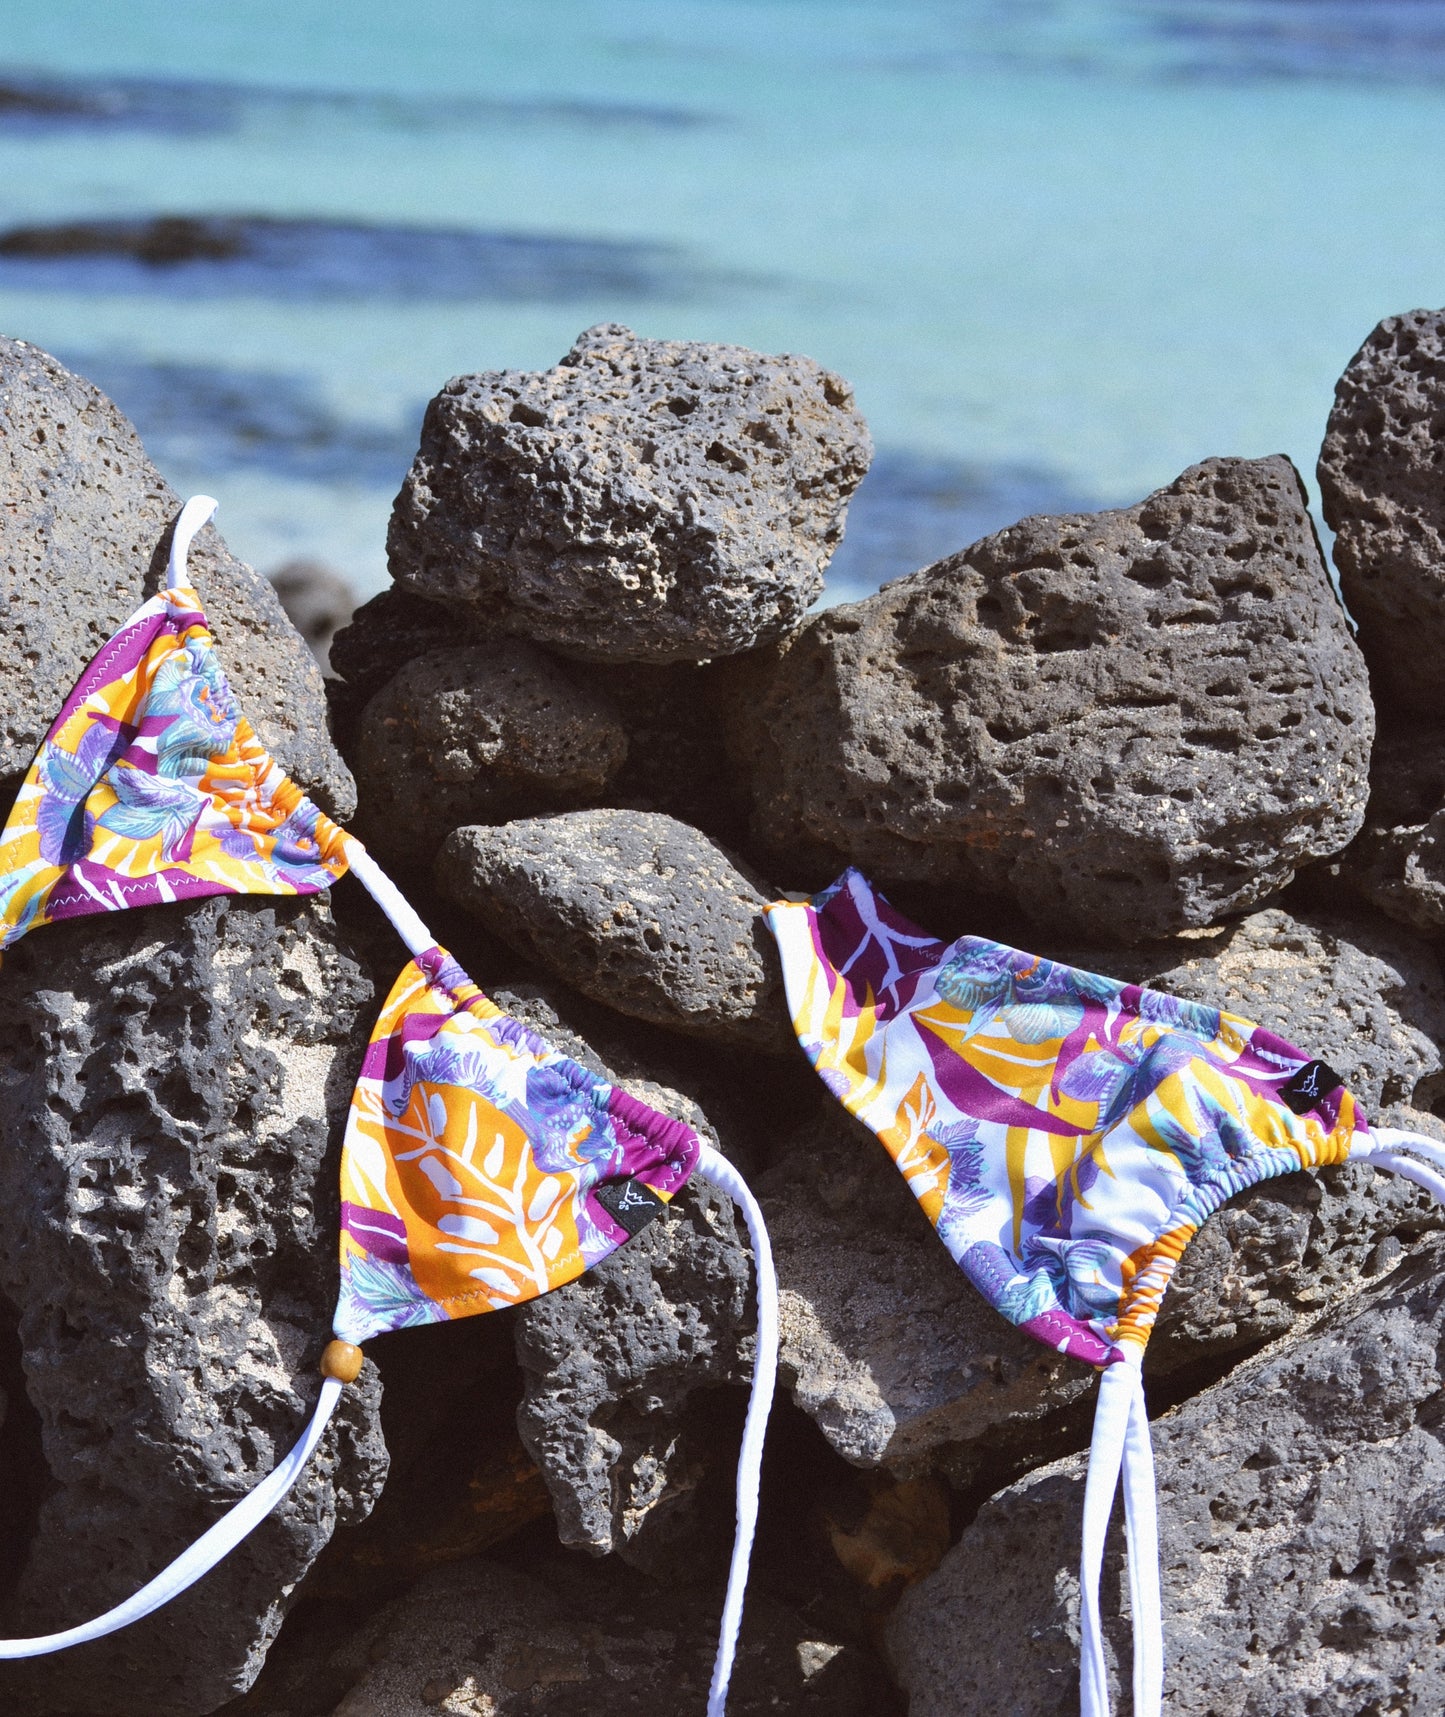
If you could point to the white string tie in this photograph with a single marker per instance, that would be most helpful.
(196, 512)
(716, 1168)
(234, 1525)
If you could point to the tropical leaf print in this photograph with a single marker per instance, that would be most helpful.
(190, 696)
(1065, 1132)
(150, 787)
(981, 975)
(150, 805)
(477, 1153)
(1027, 1297)
(67, 780)
(385, 1295)
(1041, 1022)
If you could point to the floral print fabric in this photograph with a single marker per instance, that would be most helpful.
(1066, 1134)
(481, 1167)
(151, 786)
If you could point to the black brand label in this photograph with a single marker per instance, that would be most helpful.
(630, 1203)
(1310, 1086)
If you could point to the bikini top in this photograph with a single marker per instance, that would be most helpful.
(1067, 1135)
(480, 1167)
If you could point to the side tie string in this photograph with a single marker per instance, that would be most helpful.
(1141, 1530)
(234, 1525)
(716, 1168)
(404, 918)
(1409, 1155)
(1121, 1445)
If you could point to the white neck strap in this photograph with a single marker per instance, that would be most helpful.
(196, 512)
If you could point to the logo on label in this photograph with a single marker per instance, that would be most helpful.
(630, 1203)
(1307, 1088)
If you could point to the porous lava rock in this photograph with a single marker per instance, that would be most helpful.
(477, 734)
(675, 759)
(84, 535)
(634, 909)
(1397, 861)
(900, 1361)
(1300, 1524)
(552, 1635)
(1127, 722)
(1402, 871)
(171, 1098)
(1382, 482)
(643, 500)
(379, 640)
(611, 1360)
(885, 1343)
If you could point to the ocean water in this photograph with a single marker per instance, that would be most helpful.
(1061, 248)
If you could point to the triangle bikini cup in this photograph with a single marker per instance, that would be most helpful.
(479, 1168)
(1066, 1134)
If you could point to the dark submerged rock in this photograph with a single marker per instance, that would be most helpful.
(83, 542)
(643, 500)
(1126, 722)
(304, 257)
(171, 1103)
(318, 602)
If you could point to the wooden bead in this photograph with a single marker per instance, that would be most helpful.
(341, 1360)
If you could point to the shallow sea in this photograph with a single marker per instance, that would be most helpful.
(1060, 249)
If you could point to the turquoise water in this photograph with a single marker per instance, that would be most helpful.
(1061, 250)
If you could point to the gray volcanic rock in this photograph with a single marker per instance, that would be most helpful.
(564, 1635)
(84, 536)
(675, 763)
(480, 733)
(1397, 861)
(171, 1100)
(885, 1343)
(643, 500)
(1402, 871)
(635, 910)
(1128, 722)
(611, 1359)
(385, 633)
(676, 759)
(1300, 1523)
(1380, 475)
